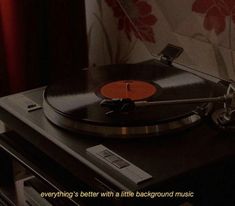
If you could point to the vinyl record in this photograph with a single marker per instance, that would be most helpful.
(74, 103)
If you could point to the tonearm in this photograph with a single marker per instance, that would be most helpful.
(224, 117)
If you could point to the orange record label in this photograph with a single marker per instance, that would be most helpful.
(132, 89)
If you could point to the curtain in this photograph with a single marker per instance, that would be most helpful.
(12, 44)
(40, 41)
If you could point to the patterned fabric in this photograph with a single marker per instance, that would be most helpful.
(141, 17)
(215, 12)
(125, 28)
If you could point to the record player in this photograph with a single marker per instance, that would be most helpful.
(149, 143)
(147, 127)
(137, 100)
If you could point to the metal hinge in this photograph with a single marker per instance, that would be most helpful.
(169, 53)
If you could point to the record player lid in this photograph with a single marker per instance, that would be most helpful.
(198, 27)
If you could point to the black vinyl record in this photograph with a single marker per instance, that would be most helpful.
(75, 103)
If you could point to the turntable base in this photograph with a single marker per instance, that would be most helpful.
(188, 159)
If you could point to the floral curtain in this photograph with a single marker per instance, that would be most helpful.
(111, 33)
(204, 28)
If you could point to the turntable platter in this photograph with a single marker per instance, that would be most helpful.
(74, 104)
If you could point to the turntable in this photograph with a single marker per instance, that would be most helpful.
(147, 127)
(87, 109)
(152, 126)
(126, 101)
